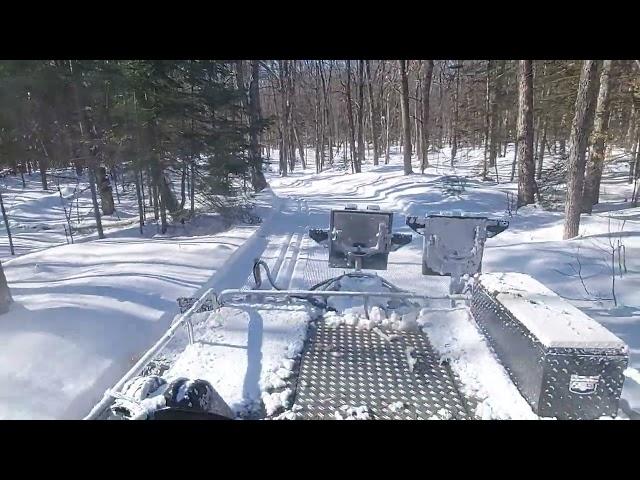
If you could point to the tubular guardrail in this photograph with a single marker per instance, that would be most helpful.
(183, 320)
(217, 301)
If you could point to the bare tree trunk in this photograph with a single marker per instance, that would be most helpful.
(406, 122)
(163, 214)
(300, 145)
(634, 167)
(142, 194)
(543, 140)
(636, 174)
(6, 226)
(387, 126)
(591, 193)
(114, 177)
(183, 184)
(426, 90)
(5, 294)
(43, 164)
(284, 119)
(323, 116)
(106, 194)
(515, 160)
(526, 173)
(487, 120)
(630, 137)
(140, 201)
(318, 117)
(238, 67)
(352, 140)
(580, 132)
(360, 113)
(543, 121)
(192, 189)
(505, 136)
(94, 201)
(326, 119)
(454, 123)
(374, 116)
(258, 182)
(155, 197)
(416, 121)
(291, 115)
(494, 116)
(90, 151)
(563, 142)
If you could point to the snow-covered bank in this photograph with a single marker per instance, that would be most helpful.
(37, 218)
(84, 313)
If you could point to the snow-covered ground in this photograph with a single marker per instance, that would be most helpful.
(85, 312)
(37, 218)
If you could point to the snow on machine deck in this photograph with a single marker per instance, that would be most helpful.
(390, 346)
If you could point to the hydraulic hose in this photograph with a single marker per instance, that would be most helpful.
(258, 280)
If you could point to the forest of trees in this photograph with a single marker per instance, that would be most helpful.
(150, 121)
(563, 117)
(213, 124)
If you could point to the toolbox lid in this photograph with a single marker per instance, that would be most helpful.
(549, 317)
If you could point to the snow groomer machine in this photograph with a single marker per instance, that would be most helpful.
(367, 355)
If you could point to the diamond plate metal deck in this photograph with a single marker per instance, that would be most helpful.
(345, 366)
(314, 265)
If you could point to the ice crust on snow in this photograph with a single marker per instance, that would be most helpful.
(550, 318)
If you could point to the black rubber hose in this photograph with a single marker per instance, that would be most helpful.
(258, 280)
(256, 274)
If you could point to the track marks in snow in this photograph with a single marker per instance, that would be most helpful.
(290, 259)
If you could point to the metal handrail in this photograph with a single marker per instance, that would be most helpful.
(217, 300)
(183, 320)
(339, 293)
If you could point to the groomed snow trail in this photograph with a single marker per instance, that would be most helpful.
(84, 313)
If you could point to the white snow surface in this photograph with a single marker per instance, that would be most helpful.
(84, 313)
(244, 353)
(453, 334)
(551, 319)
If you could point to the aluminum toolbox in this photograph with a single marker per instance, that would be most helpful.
(564, 363)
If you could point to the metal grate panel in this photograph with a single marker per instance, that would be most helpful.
(345, 366)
